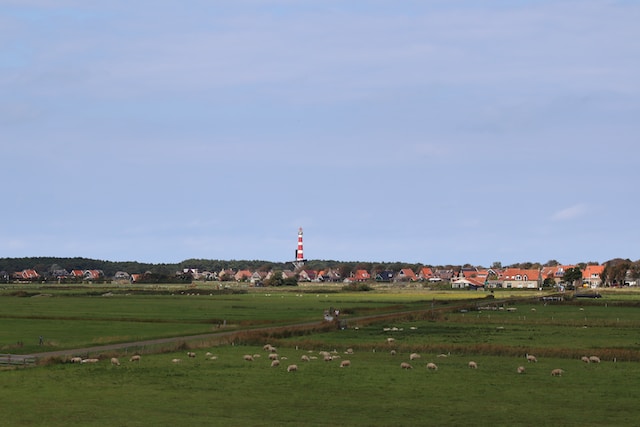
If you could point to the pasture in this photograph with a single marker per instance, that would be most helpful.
(373, 391)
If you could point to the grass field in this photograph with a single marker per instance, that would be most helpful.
(373, 391)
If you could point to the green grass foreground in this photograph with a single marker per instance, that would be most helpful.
(373, 391)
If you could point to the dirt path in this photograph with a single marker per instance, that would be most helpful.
(135, 345)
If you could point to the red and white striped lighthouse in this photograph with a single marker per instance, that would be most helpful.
(299, 255)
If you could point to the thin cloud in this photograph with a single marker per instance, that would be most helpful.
(569, 213)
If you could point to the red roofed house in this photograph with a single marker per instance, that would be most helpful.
(591, 275)
(28, 274)
(406, 275)
(425, 273)
(242, 275)
(360, 276)
(521, 278)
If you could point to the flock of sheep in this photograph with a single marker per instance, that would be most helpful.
(275, 359)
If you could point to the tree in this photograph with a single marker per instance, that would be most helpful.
(497, 265)
(572, 275)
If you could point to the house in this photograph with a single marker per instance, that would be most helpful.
(28, 274)
(406, 275)
(442, 275)
(77, 274)
(591, 276)
(307, 275)
(385, 276)
(425, 273)
(360, 276)
(464, 283)
(328, 276)
(122, 275)
(555, 272)
(288, 274)
(92, 275)
(257, 277)
(521, 278)
(242, 276)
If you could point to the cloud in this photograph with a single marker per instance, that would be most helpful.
(569, 213)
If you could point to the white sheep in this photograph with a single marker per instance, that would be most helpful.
(473, 365)
(349, 351)
(432, 366)
(292, 368)
(414, 356)
(191, 354)
(273, 356)
(267, 347)
(345, 363)
(392, 352)
(176, 360)
(444, 355)
(248, 357)
(391, 340)
(531, 358)
(405, 365)
(305, 358)
(328, 358)
(76, 360)
(520, 369)
(91, 360)
(557, 373)
(115, 361)
(275, 363)
(135, 358)
(594, 359)
(585, 359)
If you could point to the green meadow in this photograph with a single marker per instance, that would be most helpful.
(218, 387)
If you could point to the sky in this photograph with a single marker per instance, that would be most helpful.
(440, 132)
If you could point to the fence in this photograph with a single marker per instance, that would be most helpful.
(17, 360)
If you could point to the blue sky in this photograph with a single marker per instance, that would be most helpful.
(435, 132)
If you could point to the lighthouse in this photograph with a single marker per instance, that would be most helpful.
(299, 258)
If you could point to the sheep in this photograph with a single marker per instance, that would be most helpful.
(275, 363)
(135, 358)
(248, 357)
(92, 360)
(267, 347)
(585, 359)
(345, 363)
(391, 340)
(176, 360)
(531, 358)
(328, 358)
(305, 358)
(392, 352)
(76, 360)
(414, 356)
(557, 373)
(273, 356)
(349, 351)
(208, 354)
(191, 354)
(444, 355)
(520, 369)
(594, 359)
(213, 358)
(432, 366)
(473, 365)
(405, 365)
(292, 368)
(115, 361)
(255, 356)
